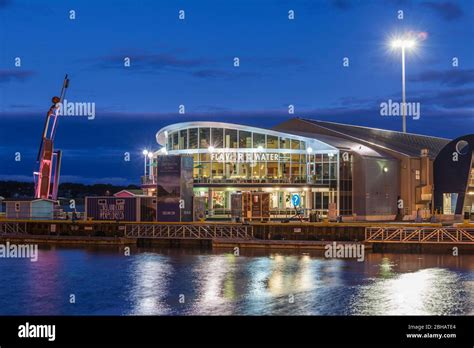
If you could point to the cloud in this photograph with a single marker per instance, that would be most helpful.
(460, 98)
(220, 73)
(15, 75)
(21, 106)
(452, 77)
(447, 10)
(150, 62)
(202, 68)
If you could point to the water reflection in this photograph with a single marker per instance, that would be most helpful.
(149, 279)
(214, 282)
(150, 282)
(432, 291)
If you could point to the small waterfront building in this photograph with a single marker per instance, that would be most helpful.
(123, 206)
(129, 193)
(36, 209)
(359, 173)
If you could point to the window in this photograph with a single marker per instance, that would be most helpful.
(204, 138)
(245, 140)
(231, 138)
(205, 157)
(272, 142)
(258, 140)
(169, 141)
(295, 144)
(183, 139)
(285, 143)
(217, 135)
(417, 174)
(17, 207)
(193, 138)
(175, 141)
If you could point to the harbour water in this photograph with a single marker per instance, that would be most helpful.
(104, 281)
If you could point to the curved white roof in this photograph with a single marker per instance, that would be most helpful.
(314, 143)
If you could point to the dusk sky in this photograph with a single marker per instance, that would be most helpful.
(191, 62)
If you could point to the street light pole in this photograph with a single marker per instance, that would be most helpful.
(145, 154)
(150, 166)
(403, 44)
(404, 105)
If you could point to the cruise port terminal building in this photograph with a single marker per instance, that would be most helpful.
(360, 173)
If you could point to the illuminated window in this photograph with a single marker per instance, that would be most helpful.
(231, 139)
(217, 135)
(193, 138)
(183, 139)
(204, 138)
(245, 140)
(258, 140)
(295, 144)
(285, 143)
(417, 175)
(175, 141)
(272, 142)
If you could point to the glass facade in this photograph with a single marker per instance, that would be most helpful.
(227, 160)
(258, 165)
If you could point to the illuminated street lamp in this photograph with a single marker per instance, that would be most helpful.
(145, 154)
(403, 44)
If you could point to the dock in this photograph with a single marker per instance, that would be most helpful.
(293, 235)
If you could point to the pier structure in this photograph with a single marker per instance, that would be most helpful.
(408, 237)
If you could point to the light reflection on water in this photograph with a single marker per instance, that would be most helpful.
(156, 282)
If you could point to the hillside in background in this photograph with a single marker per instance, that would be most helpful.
(18, 189)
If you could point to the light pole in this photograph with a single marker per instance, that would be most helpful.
(150, 173)
(145, 154)
(403, 44)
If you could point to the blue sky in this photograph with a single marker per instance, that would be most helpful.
(190, 62)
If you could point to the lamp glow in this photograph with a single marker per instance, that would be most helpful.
(211, 148)
(145, 152)
(403, 43)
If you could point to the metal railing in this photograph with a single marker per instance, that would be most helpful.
(7, 227)
(443, 235)
(189, 231)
